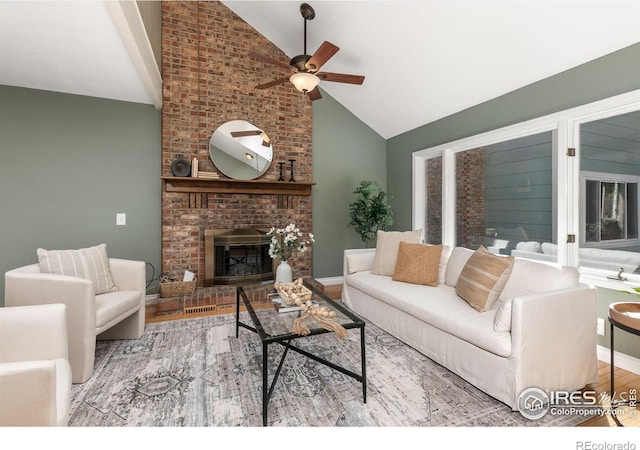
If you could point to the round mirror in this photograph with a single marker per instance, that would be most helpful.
(240, 150)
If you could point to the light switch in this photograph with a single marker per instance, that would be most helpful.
(121, 219)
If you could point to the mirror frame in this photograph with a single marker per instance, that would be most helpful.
(240, 157)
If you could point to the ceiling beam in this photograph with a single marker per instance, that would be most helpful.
(128, 21)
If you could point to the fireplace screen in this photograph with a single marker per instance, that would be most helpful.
(237, 256)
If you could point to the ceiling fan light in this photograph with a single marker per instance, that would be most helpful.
(304, 81)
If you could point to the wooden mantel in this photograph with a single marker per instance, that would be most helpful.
(229, 186)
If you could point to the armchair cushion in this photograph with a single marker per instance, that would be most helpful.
(89, 263)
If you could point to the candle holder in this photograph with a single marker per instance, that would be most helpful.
(281, 164)
(291, 178)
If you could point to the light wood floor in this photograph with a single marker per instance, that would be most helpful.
(625, 382)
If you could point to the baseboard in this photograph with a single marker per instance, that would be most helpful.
(621, 360)
(330, 281)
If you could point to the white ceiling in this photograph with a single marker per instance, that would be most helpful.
(423, 60)
(66, 46)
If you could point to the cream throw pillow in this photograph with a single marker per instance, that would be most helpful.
(89, 263)
(483, 278)
(418, 264)
(387, 244)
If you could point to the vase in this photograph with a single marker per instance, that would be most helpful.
(284, 274)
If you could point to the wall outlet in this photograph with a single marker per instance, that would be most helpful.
(600, 328)
(121, 219)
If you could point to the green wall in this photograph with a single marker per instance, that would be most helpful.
(69, 164)
(345, 152)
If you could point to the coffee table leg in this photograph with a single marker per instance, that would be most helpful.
(237, 311)
(265, 389)
(364, 365)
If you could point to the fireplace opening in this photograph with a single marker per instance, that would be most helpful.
(237, 256)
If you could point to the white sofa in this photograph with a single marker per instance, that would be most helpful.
(541, 332)
(112, 315)
(597, 258)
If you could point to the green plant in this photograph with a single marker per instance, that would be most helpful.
(370, 211)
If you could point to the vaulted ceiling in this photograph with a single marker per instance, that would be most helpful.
(423, 60)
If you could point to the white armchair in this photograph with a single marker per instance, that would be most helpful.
(35, 375)
(114, 315)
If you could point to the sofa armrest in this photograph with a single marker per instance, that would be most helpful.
(128, 275)
(33, 333)
(358, 260)
(554, 336)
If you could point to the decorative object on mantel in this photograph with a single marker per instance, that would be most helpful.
(281, 164)
(370, 212)
(295, 293)
(209, 175)
(194, 168)
(292, 161)
(284, 241)
(181, 167)
(240, 150)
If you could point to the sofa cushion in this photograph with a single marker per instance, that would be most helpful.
(88, 263)
(438, 306)
(483, 278)
(418, 264)
(359, 261)
(457, 260)
(387, 244)
(115, 305)
(529, 277)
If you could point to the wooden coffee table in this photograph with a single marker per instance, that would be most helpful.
(275, 328)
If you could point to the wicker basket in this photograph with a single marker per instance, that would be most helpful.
(177, 288)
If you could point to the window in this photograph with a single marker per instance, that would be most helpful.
(568, 181)
(610, 208)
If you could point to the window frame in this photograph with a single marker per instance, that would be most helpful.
(565, 126)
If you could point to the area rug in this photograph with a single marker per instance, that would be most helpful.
(196, 373)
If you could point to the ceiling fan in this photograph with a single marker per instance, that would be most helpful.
(306, 76)
(262, 134)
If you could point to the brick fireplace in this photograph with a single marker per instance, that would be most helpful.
(208, 79)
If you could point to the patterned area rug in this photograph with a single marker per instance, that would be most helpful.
(195, 372)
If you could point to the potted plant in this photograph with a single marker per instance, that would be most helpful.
(370, 211)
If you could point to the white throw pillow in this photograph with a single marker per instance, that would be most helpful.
(529, 277)
(387, 245)
(359, 262)
(88, 263)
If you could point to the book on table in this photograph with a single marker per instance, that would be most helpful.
(283, 307)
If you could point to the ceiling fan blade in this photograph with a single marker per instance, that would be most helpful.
(245, 133)
(269, 60)
(341, 77)
(266, 143)
(273, 83)
(321, 56)
(315, 94)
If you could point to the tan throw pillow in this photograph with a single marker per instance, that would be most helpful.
(387, 244)
(89, 263)
(418, 264)
(483, 278)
